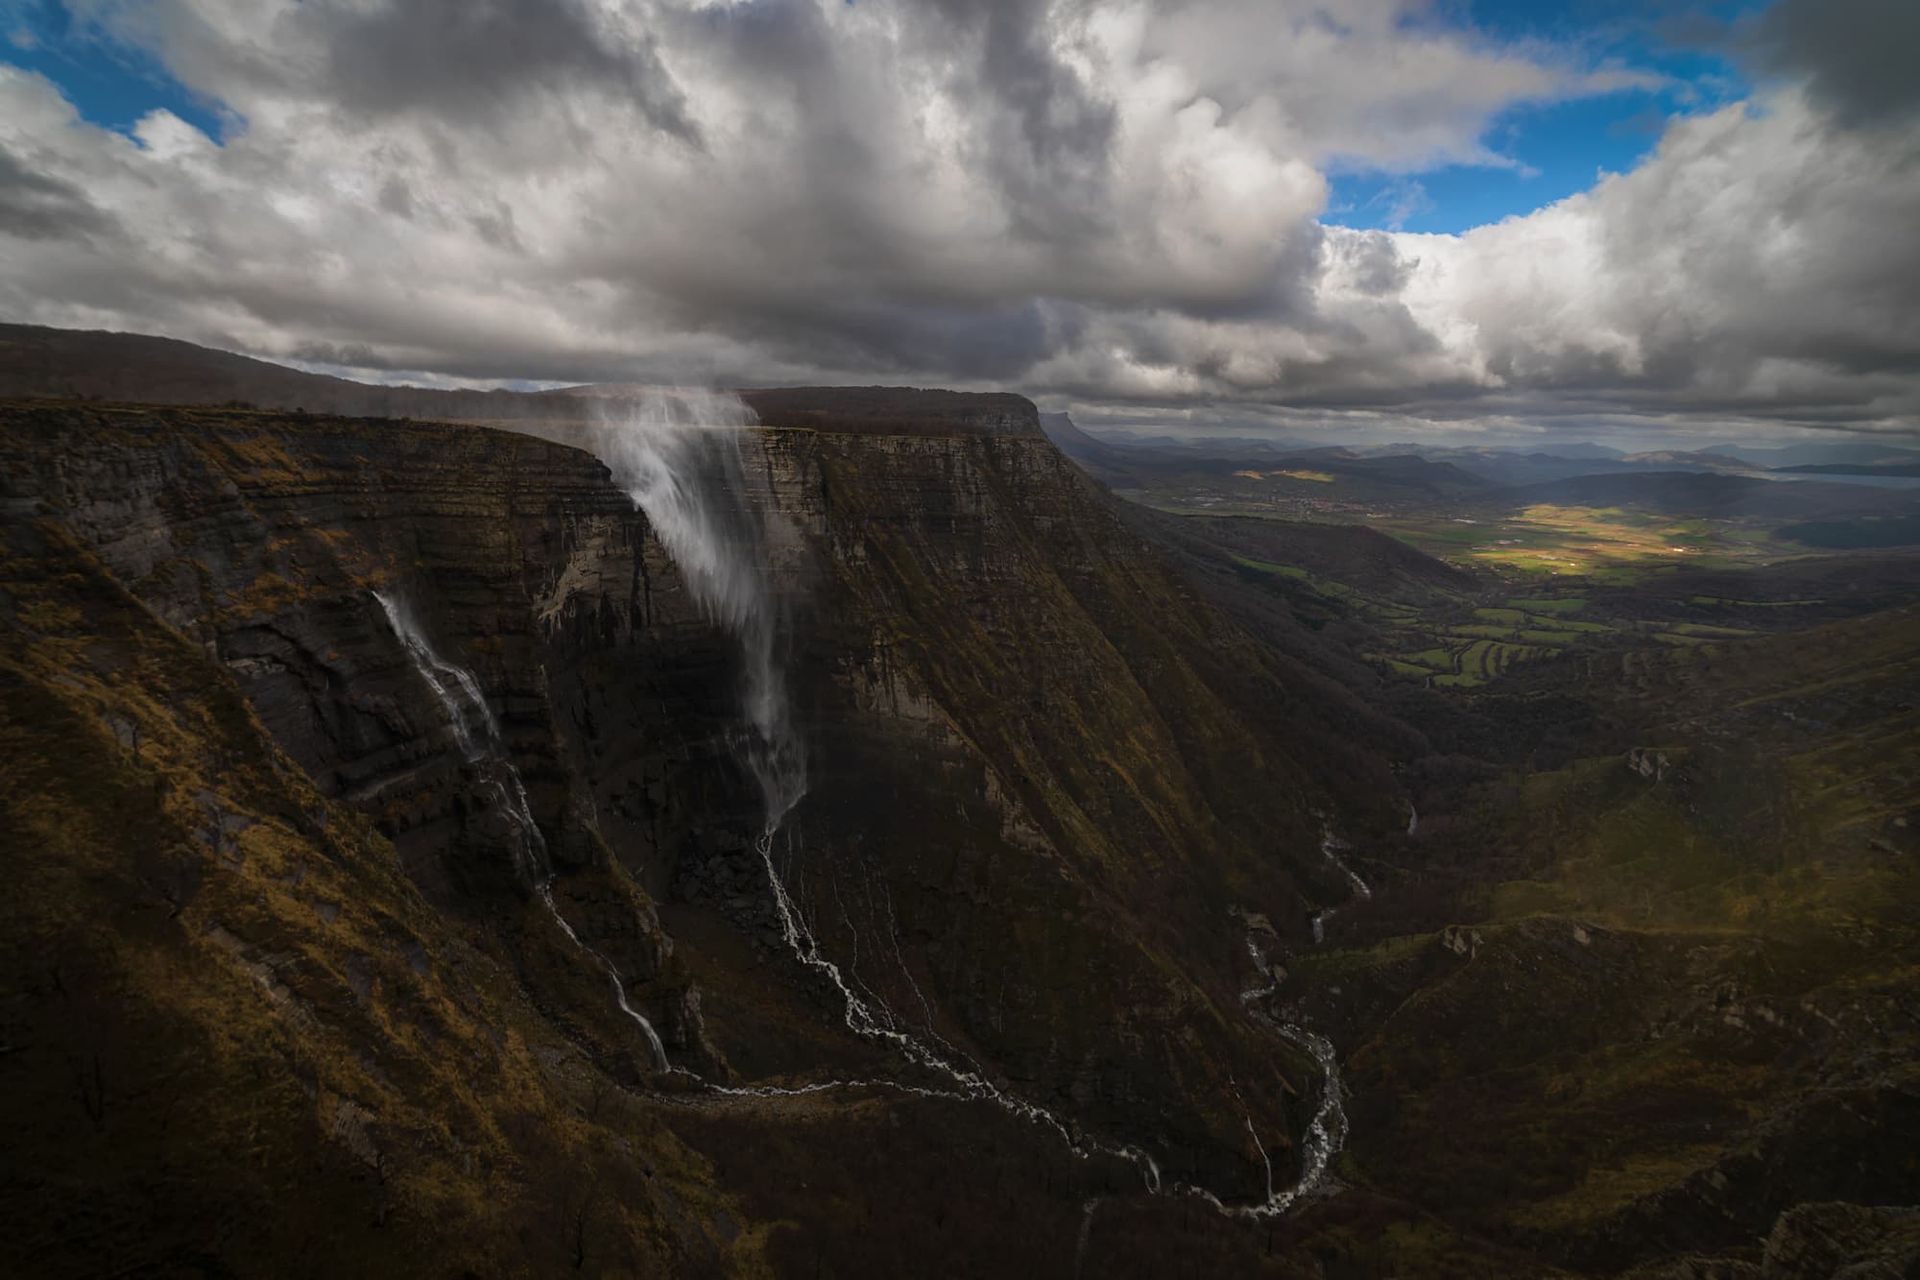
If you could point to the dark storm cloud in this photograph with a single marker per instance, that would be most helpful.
(1856, 56)
(1051, 158)
(995, 344)
(476, 60)
(34, 206)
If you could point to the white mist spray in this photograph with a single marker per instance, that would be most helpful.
(677, 454)
(460, 697)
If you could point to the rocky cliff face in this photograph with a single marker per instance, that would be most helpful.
(243, 1036)
(1047, 789)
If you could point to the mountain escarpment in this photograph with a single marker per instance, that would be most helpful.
(276, 913)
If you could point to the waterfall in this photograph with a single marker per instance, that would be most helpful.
(439, 675)
(1330, 847)
(1326, 1132)
(658, 1049)
(677, 455)
(460, 697)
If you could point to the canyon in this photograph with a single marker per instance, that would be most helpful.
(853, 842)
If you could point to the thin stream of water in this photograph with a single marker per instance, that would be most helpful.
(1330, 846)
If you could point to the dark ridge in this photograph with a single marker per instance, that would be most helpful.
(42, 363)
(37, 362)
(1710, 494)
(1847, 535)
(1109, 464)
(1855, 469)
(71, 364)
(1347, 553)
(1061, 430)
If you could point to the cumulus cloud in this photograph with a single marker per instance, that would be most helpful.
(1105, 201)
(1376, 81)
(1757, 263)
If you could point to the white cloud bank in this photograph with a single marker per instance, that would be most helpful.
(1110, 203)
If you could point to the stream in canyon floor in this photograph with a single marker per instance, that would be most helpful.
(1330, 847)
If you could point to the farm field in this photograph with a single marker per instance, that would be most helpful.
(1608, 544)
(1564, 582)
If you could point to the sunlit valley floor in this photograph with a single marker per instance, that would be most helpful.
(409, 876)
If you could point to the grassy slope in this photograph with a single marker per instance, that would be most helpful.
(1696, 1008)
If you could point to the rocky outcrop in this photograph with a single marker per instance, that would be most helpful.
(1843, 1242)
(1649, 763)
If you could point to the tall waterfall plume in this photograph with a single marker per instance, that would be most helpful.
(677, 454)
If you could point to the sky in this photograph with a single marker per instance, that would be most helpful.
(1417, 218)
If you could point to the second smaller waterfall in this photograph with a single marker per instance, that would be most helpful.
(460, 697)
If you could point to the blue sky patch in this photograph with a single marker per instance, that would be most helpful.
(110, 83)
(1558, 148)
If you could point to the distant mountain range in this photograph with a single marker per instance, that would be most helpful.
(1684, 493)
(1260, 464)
(1129, 461)
(1824, 454)
(1899, 468)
